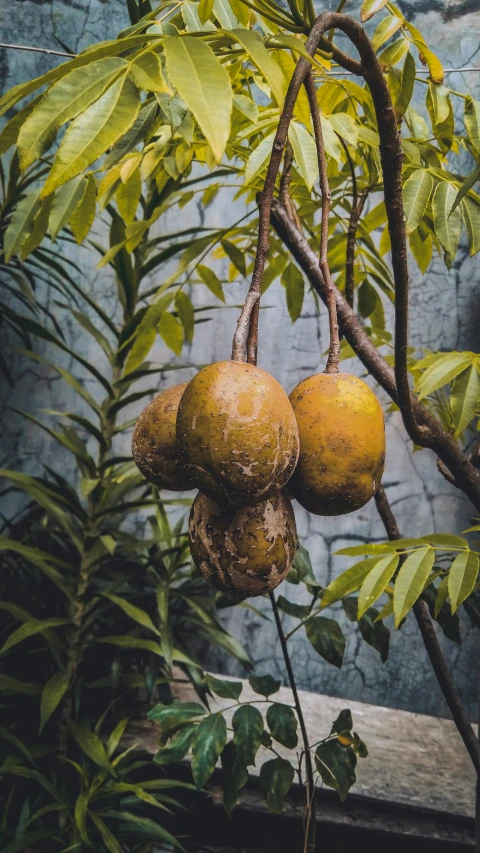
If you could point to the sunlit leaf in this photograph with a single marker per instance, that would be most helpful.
(465, 398)
(375, 583)
(252, 42)
(305, 152)
(369, 7)
(448, 222)
(410, 581)
(416, 195)
(462, 577)
(293, 282)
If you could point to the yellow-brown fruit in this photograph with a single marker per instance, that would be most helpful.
(246, 550)
(342, 443)
(154, 442)
(237, 432)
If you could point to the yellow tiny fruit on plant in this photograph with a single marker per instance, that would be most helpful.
(237, 432)
(154, 442)
(246, 550)
(342, 443)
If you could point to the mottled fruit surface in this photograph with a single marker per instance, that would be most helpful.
(245, 550)
(342, 443)
(237, 432)
(154, 442)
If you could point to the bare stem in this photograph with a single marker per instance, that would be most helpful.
(434, 651)
(334, 349)
(310, 822)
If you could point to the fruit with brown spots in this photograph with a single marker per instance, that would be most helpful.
(342, 443)
(154, 442)
(237, 433)
(246, 550)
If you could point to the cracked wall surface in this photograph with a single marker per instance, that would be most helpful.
(444, 314)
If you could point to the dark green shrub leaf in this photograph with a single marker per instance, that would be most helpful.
(210, 738)
(282, 723)
(276, 778)
(176, 713)
(336, 765)
(224, 689)
(344, 722)
(327, 639)
(247, 725)
(177, 748)
(235, 775)
(266, 685)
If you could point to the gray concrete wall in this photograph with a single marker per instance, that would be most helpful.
(444, 312)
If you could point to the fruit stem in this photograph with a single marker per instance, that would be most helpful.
(310, 821)
(334, 348)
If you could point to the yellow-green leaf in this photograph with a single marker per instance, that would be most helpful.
(146, 73)
(472, 121)
(186, 314)
(292, 280)
(82, 218)
(171, 331)
(21, 223)
(205, 9)
(471, 215)
(462, 578)
(375, 583)
(63, 101)
(52, 695)
(344, 125)
(394, 53)
(305, 153)
(442, 371)
(416, 195)
(128, 196)
(204, 85)
(65, 203)
(211, 280)
(448, 222)
(385, 30)
(139, 616)
(93, 131)
(348, 582)
(369, 7)
(411, 581)
(9, 134)
(258, 159)
(465, 398)
(252, 42)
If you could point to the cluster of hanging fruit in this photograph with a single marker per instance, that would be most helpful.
(233, 434)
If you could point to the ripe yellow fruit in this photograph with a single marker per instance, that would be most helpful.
(237, 433)
(154, 442)
(246, 550)
(342, 443)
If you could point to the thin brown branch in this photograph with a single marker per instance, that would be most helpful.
(357, 209)
(36, 49)
(334, 348)
(310, 822)
(467, 478)
(285, 183)
(433, 648)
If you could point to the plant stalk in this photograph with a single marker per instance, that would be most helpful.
(310, 812)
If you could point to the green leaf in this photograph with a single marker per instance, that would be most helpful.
(235, 775)
(186, 314)
(467, 185)
(171, 331)
(235, 255)
(65, 203)
(472, 121)
(416, 195)
(211, 280)
(29, 629)
(247, 107)
(344, 125)
(442, 371)
(465, 398)
(247, 725)
(276, 779)
(344, 722)
(128, 196)
(145, 826)
(52, 695)
(336, 765)
(462, 578)
(204, 85)
(375, 583)
(93, 131)
(91, 745)
(82, 217)
(327, 639)
(440, 97)
(9, 134)
(302, 566)
(444, 541)
(471, 215)
(293, 282)
(282, 723)
(129, 642)
(205, 9)
(139, 616)
(146, 72)
(176, 713)
(265, 685)
(386, 29)
(394, 53)
(210, 738)
(252, 42)
(66, 99)
(305, 152)
(410, 581)
(21, 223)
(448, 222)
(13, 685)
(349, 581)
(258, 159)
(406, 86)
(108, 837)
(369, 7)
(291, 608)
(178, 747)
(224, 689)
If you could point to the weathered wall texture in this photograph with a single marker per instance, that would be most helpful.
(444, 312)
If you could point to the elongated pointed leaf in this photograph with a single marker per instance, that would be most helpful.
(173, 715)
(305, 153)
(9, 134)
(410, 581)
(62, 102)
(94, 131)
(416, 195)
(258, 158)
(65, 203)
(471, 215)
(369, 7)
(462, 578)
(375, 583)
(52, 695)
(210, 738)
(135, 613)
(224, 689)
(21, 223)
(247, 725)
(467, 185)
(443, 371)
(235, 775)
(211, 280)
(29, 629)
(282, 723)
(204, 85)
(252, 42)
(447, 221)
(349, 581)
(465, 398)
(327, 639)
(386, 28)
(472, 121)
